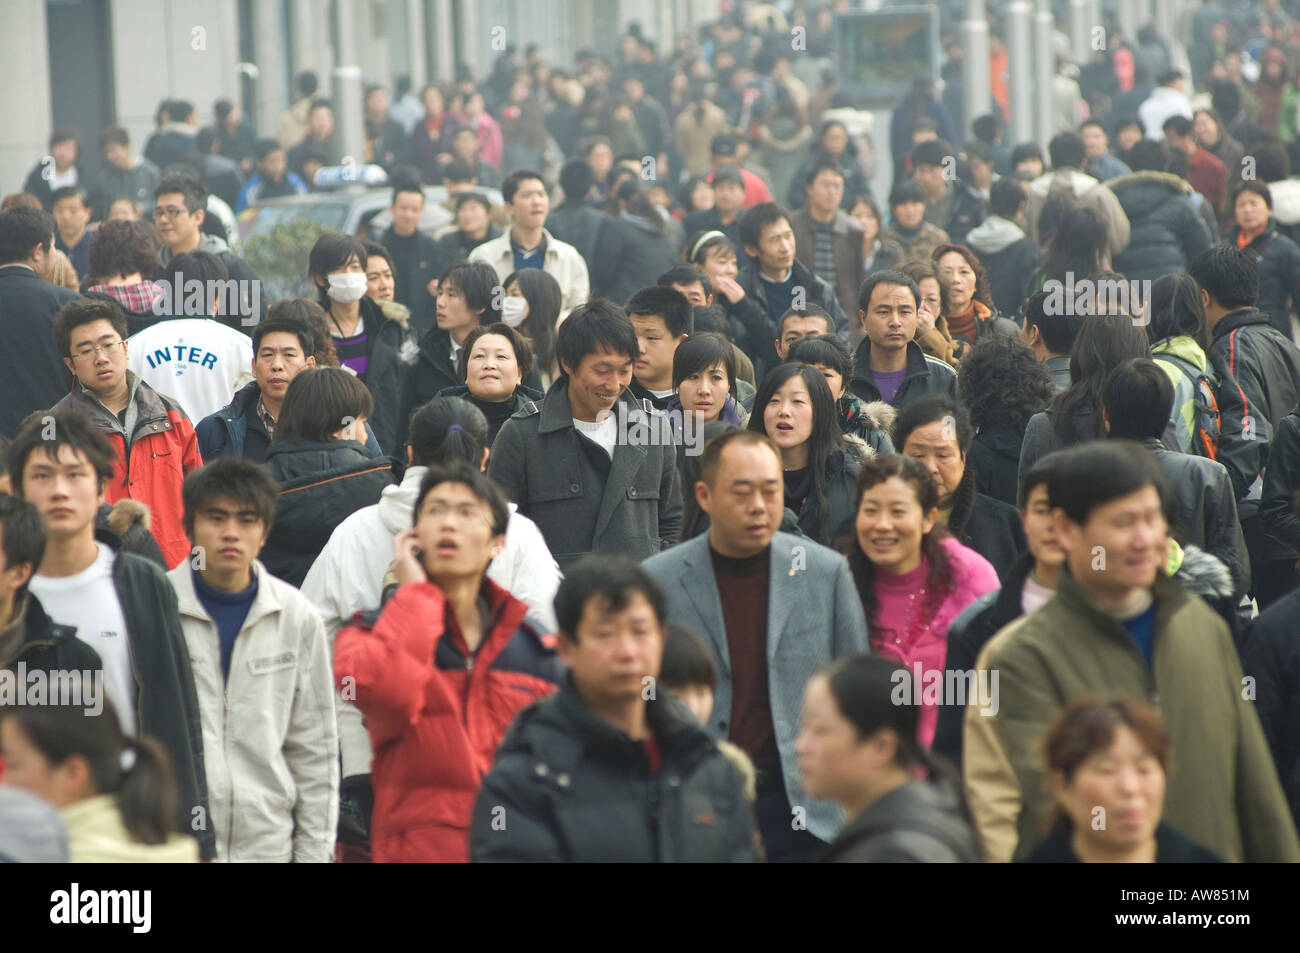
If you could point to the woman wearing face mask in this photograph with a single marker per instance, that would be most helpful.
(376, 346)
(532, 307)
(912, 576)
(866, 424)
(967, 300)
(493, 362)
(795, 408)
(116, 795)
(857, 747)
(1109, 759)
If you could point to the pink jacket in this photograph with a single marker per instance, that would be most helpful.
(903, 634)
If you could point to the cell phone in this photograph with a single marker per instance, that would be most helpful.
(417, 552)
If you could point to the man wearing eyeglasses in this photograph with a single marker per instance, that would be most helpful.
(153, 438)
(179, 213)
(441, 670)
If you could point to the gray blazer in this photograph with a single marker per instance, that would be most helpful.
(814, 615)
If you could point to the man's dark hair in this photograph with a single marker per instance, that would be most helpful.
(1005, 197)
(1092, 475)
(828, 350)
(264, 147)
(83, 311)
(985, 128)
(305, 83)
(820, 166)
(468, 475)
(67, 134)
(576, 179)
(1040, 474)
(610, 578)
(320, 102)
(1255, 186)
(710, 318)
(1123, 122)
(119, 247)
(1272, 162)
(1148, 155)
(48, 430)
(809, 310)
(69, 192)
(1093, 121)
(1026, 150)
(475, 281)
(275, 324)
(927, 410)
(887, 277)
(180, 110)
(687, 662)
(457, 171)
(518, 343)
(407, 185)
(1229, 275)
(1066, 150)
(465, 198)
(668, 303)
(375, 250)
(686, 275)
(933, 152)
(1169, 76)
(759, 217)
(233, 478)
(905, 192)
(114, 135)
(190, 189)
(1181, 125)
(21, 230)
(319, 402)
(511, 185)
(599, 324)
(1058, 330)
(24, 536)
(1137, 396)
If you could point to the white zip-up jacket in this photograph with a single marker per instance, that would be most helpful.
(269, 738)
(562, 262)
(348, 577)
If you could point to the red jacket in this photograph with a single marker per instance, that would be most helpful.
(163, 450)
(436, 712)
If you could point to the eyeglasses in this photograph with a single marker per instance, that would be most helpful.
(91, 350)
(461, 513)
(170, 212)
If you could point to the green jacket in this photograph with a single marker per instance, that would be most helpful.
(1222, 788)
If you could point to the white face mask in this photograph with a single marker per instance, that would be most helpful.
(347, 286)
(513, 311)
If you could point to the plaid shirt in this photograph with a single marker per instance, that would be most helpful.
(138, 298)
(264, 415)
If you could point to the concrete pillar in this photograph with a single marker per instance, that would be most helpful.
(1045, 118)
(1128, 14)
(978, 98)
(471, 40)
(1020, 65)
(416, 57)
(25, 66)
(273, 95)
(349, 118)
(1080, 32)
(442, 39)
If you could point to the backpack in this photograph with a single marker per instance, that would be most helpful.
(1205, 403)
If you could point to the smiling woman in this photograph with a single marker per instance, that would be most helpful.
(494, 360)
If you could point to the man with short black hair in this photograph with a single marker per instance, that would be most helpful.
(606, 769)
(34, 375)
(174, 141)
(1050, 337)
(774, 277)
(889, 364)
(1100, 164)
(122, 175)
(1006, 252)
(662, 319)
(56, 170)
(1205, 171)
(118, 603)
(473, 226)
(799, 323)
(908, 227)
(573, 464)
(529, 245)
(272, 180)
(72, 216)
(825, 236)
(1119, 626)
(320, 138)
(262, 677)
(418, 260)
(950, 203)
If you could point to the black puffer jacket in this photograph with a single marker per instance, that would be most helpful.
(841, 480)
(925, 376)
(1166, 232)
(918, 823)
(990, 527)
(432, 373)
(321, 484)
(1271, 653)
(496, 413)
(573, 788)
(995, 457)
(1281, 480)
(1278, 260)
(392, 351)
(632, 254)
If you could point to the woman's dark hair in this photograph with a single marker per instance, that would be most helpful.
(119, 247)
(1001, 381)
(1056, 206)
(828, 350)
(696, 252)
(699, 352)
(939, 581)
(1175, 309)
(825, 437)
(523, 354)
(982, 294)
(1077, 247)
(686, 661)
(309, 315)
(872, 206)
(545, 299)
(1104, 342)
(319, 403)
(469, 475)
(686, 191)
(1088, 724)
(637, 203)
(331, 252)
(145, 790)
(826, 127)
(475, 280)
(445, 429)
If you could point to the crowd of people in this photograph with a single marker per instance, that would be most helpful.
(695, 502)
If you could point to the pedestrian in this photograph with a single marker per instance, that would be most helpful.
(261, 675)
(858, 748)
(271, 178)
(473, 227)
(59, 169)
(532, 307)
(865, 425)
(598, 772)
(704, 383)
(889, 364)
(494, 360)
(1166, 231)
(1277, 257)
(1008, 255)
(417, 259)
(879, 251)
(123, 259)
(967, 301)
(1068, 178)
(774, 272)
(635, 246)
(825, 236)
(908, 227)
(1050, 331)
(950, 204)
(662, 319)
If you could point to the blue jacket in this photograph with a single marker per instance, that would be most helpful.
(222, 434)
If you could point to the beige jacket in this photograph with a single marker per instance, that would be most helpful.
(96, 835)
(270, 740)
(1090, 193)
(563, 263)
